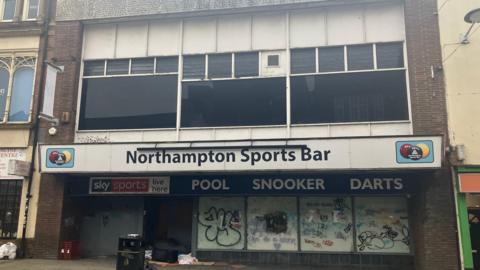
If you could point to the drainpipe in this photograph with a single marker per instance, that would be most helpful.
(35, 119)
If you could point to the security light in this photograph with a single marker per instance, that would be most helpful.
(472, 17)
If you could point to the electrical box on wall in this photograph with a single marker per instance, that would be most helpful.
(273, 63)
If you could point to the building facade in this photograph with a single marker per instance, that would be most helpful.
(293, 132)
(23, 31)
(460, 56)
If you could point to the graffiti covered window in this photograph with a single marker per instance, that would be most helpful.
(382, 225)
(326, 224)
(221, 223)
(272, 223)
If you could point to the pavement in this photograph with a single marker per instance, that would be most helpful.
(109, 264)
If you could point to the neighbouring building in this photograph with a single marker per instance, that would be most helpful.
(22, 39)
(294, 132)
(461, 56)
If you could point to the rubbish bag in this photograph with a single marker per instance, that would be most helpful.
(187, 259)
(8, 250)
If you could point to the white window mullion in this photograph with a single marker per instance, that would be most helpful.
(317, 61)
(375, 66)
(33, 91)
(345, 58)
(233, 65)
(206, 66)
(9, 89)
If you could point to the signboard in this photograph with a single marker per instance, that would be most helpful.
(469, 182)
(19, 167)
(129, 185)
(254, 184)
(310, 154)
(7, 154)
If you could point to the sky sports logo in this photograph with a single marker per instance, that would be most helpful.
(414, 152)
(120, 185)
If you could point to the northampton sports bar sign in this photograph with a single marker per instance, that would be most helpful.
(282, 155)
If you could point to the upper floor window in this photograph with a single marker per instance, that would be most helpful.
(32, 9)
(8, 9)
(340, 84)
(16, 88)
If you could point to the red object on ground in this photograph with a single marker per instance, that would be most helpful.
(70, 250)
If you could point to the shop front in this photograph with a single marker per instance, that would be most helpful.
(321, 202)
(468, 207)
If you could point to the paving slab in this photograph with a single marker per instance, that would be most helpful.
(109, 264)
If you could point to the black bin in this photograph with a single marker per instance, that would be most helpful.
(131, 254)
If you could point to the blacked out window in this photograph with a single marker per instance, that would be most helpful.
(360, 57)
(118, 67)
(94, 68)
(390, 55)
(167, 64)
(132, 102)
(143, 65)
(246, 64)
(194, 67)
(10, 196)
(349, 97)
(331, 59)
(220, 65)
(303, 61)
(247, 102)
(273, 60)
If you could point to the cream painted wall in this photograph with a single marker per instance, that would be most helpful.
(462, 73)
(19, 43)
(14, 138)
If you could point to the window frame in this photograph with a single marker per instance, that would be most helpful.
(18, 198)
(18, 61)
(288, 75)
(26, 9)
(2, 11)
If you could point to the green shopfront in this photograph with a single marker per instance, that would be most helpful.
(467, 184)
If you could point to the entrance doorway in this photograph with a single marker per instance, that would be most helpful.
(168, 223)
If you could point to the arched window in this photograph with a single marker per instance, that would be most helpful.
(21, 95)
(4, 80)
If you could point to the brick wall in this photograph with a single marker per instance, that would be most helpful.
(424, 52)
(65, 48)
(49, 218)
(435, 237)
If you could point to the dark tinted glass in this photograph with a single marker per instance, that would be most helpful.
(167, 64)
(220, 66)
(194, 67)
(8, 9)
(94, 68)
(246, 64)
(234, 103)
(303, 61)
(117, 67)
(390, 55)
(129, 102)
(349, 97)
(331, 59)
(360, 57)
(10, 195)
(142, 65)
